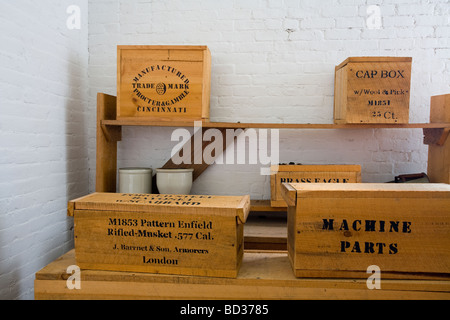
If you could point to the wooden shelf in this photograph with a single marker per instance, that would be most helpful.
(262, 276)
(238, 125)
(109, 132)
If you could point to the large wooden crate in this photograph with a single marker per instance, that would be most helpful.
(372, 90)
(339, 230)
(173, 234)
(309, 174)
(163, 83)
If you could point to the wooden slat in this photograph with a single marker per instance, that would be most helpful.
(374, 59)
(107, 137)
(238, 125)
(155, 203)
(264, 206)
(196, 152)
(439, 152)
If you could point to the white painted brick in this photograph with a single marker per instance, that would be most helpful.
(416, 9)
(443, 31)
(383, 33)
(375, 168)
(350, 22)
(273, 24)
(269, 35)
(398, 21)
(402, 1)
(443, 53)
(309, 34)
(393, 44)
(352, 2)
(43, 137)
(348, 34)
(432, 20)
(249, 24)
(321, 23)
(387, 10)
(235, 80)
(340, 11)
(417, 32)
(292, 24)
(263, 13)
(361, 46)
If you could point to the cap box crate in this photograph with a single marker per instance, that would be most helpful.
(309, 174)
(163, 82)
(372, 90)
(339, 230)
(172, 234)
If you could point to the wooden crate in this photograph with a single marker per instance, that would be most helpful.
(339, 230)
(173, 234)
(372, 90)
(163, 82)
(309, 174)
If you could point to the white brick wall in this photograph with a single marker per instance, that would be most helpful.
(273, 61)
(43, 154)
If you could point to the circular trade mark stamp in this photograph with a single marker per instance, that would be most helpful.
(160, 86)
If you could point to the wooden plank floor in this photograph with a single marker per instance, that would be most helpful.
(263, 275)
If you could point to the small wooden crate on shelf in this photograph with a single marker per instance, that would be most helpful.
(309, 174)
(169, 83)
(372, 90)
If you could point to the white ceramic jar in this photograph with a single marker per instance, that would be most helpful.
(174, 181)
(135, 180)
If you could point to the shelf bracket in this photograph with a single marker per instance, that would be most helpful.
(111, 133)
(435, 136)
(196, 153)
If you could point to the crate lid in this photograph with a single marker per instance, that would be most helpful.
(238, 206)
(164, 47)
(373, 59)
(292, 191)
(316, 167)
